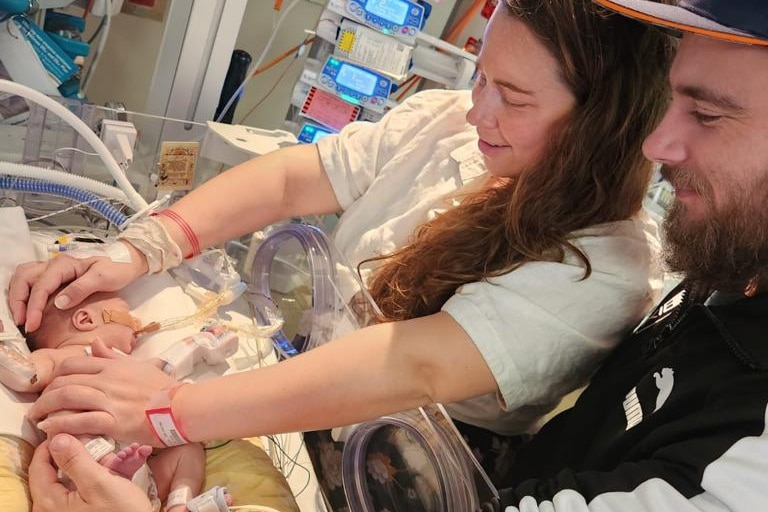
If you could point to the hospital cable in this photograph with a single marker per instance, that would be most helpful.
(281, 462)
(409, 84)
(65, 210)
(258, 62)
(63, 178)
(297, 51)
(76, 150)
(212, 302)
(268, 93)
(277, 60)
(88, 199)
(97, 31)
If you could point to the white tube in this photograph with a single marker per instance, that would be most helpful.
(261, 58)
(64, 178)
(136, 201)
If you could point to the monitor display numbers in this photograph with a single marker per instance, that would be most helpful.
(394, 11)
(356, 79)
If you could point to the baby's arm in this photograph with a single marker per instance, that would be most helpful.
(44, 361)
(179, 474)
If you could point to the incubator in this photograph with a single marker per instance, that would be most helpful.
(297, 268)
(75, 197)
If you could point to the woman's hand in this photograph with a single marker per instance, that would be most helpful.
(97, 490)
(110, 397)
(33, 283)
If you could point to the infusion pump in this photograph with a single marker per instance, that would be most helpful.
(364, 50)
(397, 18)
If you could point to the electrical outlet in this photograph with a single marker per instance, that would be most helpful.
(120, 138)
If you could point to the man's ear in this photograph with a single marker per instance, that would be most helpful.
(83, 320)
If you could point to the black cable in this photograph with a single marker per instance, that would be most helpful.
(221, 445)
(98, 30)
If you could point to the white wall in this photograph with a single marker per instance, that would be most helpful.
(254, 33)
(126, 68)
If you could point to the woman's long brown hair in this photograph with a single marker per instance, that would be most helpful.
(594, 172)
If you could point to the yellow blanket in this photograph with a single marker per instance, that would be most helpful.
(240, 465)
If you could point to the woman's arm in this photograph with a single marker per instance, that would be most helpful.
(285, 183)
(378, 370)
(250, 196)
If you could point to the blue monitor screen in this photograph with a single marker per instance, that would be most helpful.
(356, 79)
(394, 11)
(319, 134)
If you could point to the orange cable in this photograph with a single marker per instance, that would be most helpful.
(282, 57)
(458, 27)
(415, 79)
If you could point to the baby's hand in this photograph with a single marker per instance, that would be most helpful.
(100, 349)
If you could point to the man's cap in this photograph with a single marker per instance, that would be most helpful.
(740, 21)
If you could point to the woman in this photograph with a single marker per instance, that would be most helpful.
(531, 260)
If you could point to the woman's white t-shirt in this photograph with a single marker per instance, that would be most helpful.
(541, 329)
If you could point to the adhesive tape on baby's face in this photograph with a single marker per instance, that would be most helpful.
(114, 316)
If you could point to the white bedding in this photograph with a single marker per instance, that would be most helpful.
(150, 298)
(17, 248)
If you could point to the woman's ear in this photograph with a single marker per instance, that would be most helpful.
(83, 320)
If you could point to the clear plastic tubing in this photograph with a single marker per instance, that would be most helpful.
(315, 244)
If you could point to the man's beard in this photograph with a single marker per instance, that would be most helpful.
(728, 248)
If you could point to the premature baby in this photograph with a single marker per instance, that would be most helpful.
(178, 472)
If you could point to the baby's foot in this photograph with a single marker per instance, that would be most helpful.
(128, 460)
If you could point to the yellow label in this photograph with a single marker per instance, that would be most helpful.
(347, 41)
(176, 169)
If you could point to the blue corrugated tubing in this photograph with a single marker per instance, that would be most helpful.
(92, 201)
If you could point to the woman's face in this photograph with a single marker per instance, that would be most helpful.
(519, 98)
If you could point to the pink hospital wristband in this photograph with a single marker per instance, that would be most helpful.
(160, 415)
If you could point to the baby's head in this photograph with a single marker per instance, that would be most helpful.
(102, 315)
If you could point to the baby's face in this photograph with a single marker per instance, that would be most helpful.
(116, 324)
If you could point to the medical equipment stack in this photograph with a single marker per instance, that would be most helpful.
(364, 51)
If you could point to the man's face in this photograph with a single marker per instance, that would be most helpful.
(713, 143)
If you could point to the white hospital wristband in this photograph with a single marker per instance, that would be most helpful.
(99, 447)
(179, 496)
